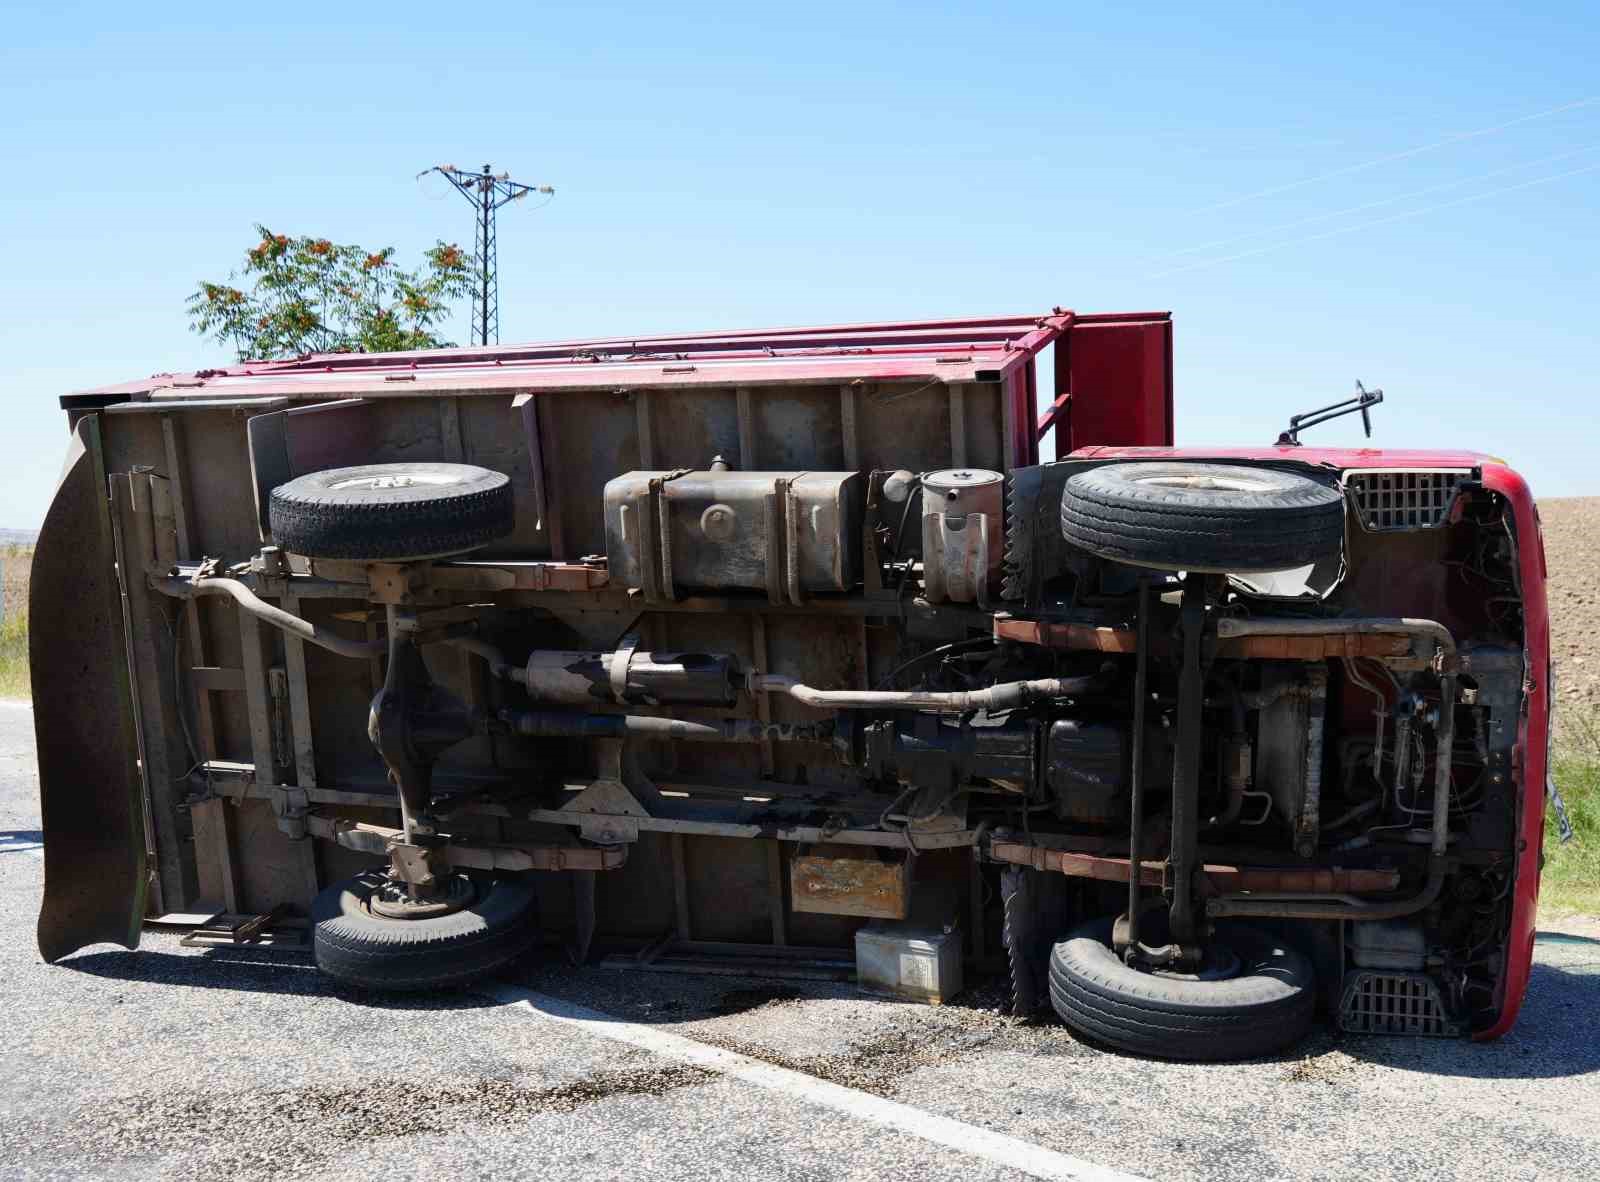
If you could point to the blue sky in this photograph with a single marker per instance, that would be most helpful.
(735, 166)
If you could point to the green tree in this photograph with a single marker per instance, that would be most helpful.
(310, 295)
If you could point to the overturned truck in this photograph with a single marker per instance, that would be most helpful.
(781, 650)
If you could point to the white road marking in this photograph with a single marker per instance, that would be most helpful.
(20, 842)
(941, 1130)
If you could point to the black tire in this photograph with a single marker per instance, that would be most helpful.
(1264, 1009)
(1219, 518)
(354, 945)
(391, 511)
(1017, 934)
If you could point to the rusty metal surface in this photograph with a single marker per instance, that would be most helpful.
(1107, 639)
(1058, 635)
(520, 576)
(378, 839)
(1309, 880)
(848, 884)
(95, 853)
(1320, 647)
(1218, 878)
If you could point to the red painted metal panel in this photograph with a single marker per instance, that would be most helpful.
(632, 375)
(985, 349)
(1118, 373)
(1333, 457)
(1532, 750)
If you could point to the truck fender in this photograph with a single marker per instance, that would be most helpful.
(95, 860)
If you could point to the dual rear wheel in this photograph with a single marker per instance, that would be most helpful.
(365, 934)
(365, 931)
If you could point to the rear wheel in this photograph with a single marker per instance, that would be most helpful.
(365, 934)
(1218, 518)
(1252, 997)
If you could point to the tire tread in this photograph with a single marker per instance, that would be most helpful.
(1256, 1014)
(353, 946)
(309, 517)
(1109, 513)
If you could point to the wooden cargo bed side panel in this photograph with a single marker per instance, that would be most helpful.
(217, 476)
(216, 854)
(230, 720)
(491, 436)
(815, 651)
(222, 524)
(909, 426)
(272, 868)
(408, 429)
(634, 902)
(689, 427)
(983, 424)
(340, 691)
(144, 526)
(596, 438)
(728, 893)
(797, 428)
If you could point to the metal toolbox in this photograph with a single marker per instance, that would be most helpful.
(788, 533)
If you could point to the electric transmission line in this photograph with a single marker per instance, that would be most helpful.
(487, 192)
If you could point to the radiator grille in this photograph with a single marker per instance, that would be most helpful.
(1387, 499)
(1393, 1003)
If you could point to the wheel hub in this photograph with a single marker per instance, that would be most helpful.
(397, 480)
(1217, 963)
(395, 900)
(1232, 484)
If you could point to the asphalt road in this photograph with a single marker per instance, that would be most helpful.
(176, 1063)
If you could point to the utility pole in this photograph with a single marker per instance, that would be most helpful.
(487, 193)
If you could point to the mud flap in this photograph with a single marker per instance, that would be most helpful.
(95, 860)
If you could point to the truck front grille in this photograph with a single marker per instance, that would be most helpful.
(1390, 499)
(1393, 1003)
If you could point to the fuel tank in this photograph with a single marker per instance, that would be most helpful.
(788, 533)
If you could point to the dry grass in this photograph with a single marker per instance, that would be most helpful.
(1570, 883)
(16, 561)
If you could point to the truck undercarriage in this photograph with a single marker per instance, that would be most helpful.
(732, 653)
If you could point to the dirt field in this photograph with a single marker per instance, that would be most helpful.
(1571, 532)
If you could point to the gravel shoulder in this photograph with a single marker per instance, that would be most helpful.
(181, 1063)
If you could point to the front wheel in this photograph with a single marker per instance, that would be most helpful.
(1253, 997)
